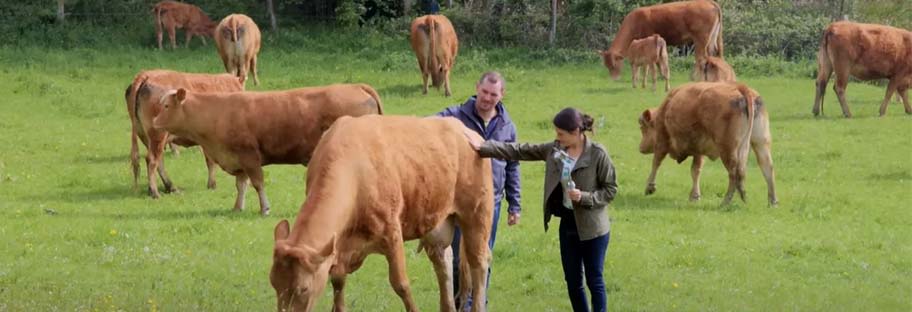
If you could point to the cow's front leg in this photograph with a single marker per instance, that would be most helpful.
(241, 183)
(256, 178)
(338, 283)
(695, 169)
(650, 182)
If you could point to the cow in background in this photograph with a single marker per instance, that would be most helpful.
(238, 41)
(244, 131)
(714, 69)
(143, 107)
(435, 44)
(172, 15)
(866, 52)
(679, 23)
(374, 183)
(713, 119)
(649, 52)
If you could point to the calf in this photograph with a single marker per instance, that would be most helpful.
(714, 69)
(710, 119)
(143, 107)
(375, 182)
(244, 131)
(867, 52)
(649, 52)
(435, 44)
(238, 41)
(172, 15)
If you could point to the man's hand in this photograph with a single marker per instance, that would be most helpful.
(575, 195)
(513, 219)
(474, 139)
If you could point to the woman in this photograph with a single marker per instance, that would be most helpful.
(579, 184)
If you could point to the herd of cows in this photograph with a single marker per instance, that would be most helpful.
(367, 192)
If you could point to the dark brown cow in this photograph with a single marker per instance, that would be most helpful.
(435, 44)
(714, 69)
(698, 22)
(172, 15)
(238, 41)
(867, 52)
(142, 110)
(244, 131)
(649, 52)
(375, 182)
(713, 119)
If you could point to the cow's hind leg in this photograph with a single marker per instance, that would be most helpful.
(153, 155)
(395, 256)
(253, 70)
(652, 74)
(842, 80)
(256, 178)
(163, 174)
(904, 94)
(439, 251)
(475, 253)
(172, 35)
(891, 88)
(446, 83)
(695, 169)
(735, 167)
(760, 142)
(633, 73)
(210, 166)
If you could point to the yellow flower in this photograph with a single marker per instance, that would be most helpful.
(113, 232)
(675, 285)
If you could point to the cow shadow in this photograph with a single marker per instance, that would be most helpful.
(109, 193)
(678, 201)
(607, 90)
(403, 90)
(104, 159)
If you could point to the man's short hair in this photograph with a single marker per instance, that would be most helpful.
(493, 77)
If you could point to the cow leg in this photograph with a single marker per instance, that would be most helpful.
(253, 69)
(633, 72)
(446, 83)
(438, 249)
(477, 255)
(891, 88)
(256, 178)
(172, 35)
(842, 80)
(173, 148)
(134, 158)
(163, 174)
(155, 149)
(695, 169)
(241, 183)
(187, 36)
(338, 283)
(904, 94)
(395, 256)
(203, 38)
(760, 142)
(734, 164)
(663, 66)
(652, 72)
(210, 166)
(158, 34)
(650, 182)
(424, 77)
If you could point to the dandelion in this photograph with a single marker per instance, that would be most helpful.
(113, 232)
(675, 285)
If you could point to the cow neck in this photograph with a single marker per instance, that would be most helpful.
(622, 40)
(324, 214)
(197, 120)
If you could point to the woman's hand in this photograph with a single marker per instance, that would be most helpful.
(474, 139)
(575, 195)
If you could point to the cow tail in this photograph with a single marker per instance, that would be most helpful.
(157, 12)
(465, 274)
(715, 37)
(432, 62)
(745, 143)
(375, 96)
(137, 131)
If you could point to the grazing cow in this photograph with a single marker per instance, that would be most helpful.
(238, 41)
(435, 44)
(713, 69)
(143, 107)
(867, 52)
(679, 23)
(172, 15)
(375, 182)
(710, 119)
(649, 52)
(244, 131)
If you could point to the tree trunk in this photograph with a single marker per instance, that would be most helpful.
(272, 17)
(552, 35)
(407, 6)
(60, 12)
(449, 3)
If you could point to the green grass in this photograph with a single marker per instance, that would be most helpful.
(74, 235)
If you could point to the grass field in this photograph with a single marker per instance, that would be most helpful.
(74, 235)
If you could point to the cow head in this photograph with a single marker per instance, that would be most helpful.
(613, 61)
(647, 129)
(172, 113)
(299, 273)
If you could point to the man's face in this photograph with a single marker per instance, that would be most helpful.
(488, 94)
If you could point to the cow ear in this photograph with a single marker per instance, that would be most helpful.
(181, 95)
(281, 230)
(600, 52)
(646, 117)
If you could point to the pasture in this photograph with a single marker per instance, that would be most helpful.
(74, 235)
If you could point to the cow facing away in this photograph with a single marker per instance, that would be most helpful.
(435, 44)
(373, 184)
(714, 69)
(244, 131)
(143, 106)
(679, 23)
(649, 52)
(238, 41)
(712, 119)
(172, 15)
(866, 52)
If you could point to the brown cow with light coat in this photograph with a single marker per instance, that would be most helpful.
(143, 107)
(649, 52)
(435, 44)
(867, 52)
(375, 182)
(679, 23)
(244, 131)
(238, 41)
(713, 119)
(172, 15)
(714, 69)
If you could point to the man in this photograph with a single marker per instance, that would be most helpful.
(485, 114)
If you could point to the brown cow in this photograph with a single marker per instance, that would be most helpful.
(435, 44)
(867, 52)
(714, 69)
(649, 52)
(244, 131)
(713, 119)
(172, 15)
(373, 184)
(143, 107)
(679, 23)
(238, 41)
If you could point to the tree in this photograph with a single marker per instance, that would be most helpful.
(272, 17)
(60, 12)
(552, 35)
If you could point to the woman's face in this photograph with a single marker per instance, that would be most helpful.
(567, 138)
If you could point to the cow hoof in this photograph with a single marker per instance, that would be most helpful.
(694, 198)
(650, 189)
(264, 213)
(210, 185)
(153, 194)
